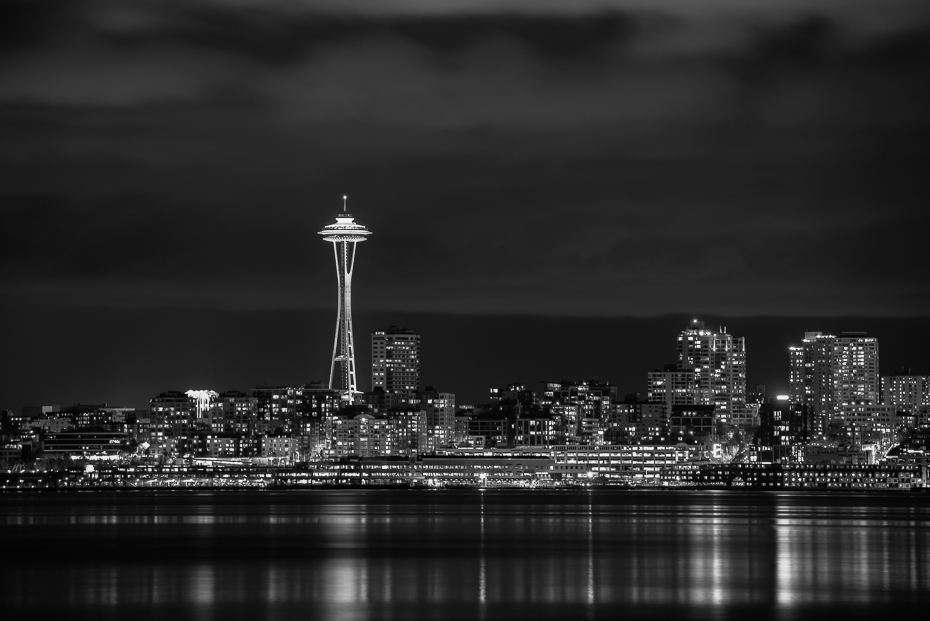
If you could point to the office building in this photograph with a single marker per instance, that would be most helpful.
(173, 416)
(395, 360)
(831, 374)
(905, 390)
(672, 387)
(439, 408)
(718, 361)
(856, 378)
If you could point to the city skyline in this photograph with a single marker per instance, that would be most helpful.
(835, 412)
(531, 168)
(652, 343)
(640, 329)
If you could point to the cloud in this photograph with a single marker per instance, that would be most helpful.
(599, 158)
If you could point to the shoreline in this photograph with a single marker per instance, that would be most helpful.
(477, 474)
(620, 489)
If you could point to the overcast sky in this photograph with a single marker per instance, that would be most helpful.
(609, 159)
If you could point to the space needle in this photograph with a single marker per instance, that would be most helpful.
(344, 234)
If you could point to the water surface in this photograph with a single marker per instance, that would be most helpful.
(419, 554)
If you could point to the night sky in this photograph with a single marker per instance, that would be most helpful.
(554, 188)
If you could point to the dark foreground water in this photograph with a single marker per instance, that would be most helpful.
(417, 554)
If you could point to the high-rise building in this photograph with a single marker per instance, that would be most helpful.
(857, 381)
(344, 234)
(439, 408)
(811, 378)
(906, 391)
(718, 361)
(831, 373)
(808, 368)
(174, 416)
(395, 360)
(672, 387)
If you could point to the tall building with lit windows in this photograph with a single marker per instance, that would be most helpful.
(857, 381)
(831, 374)
(439, 408)
(811, 378)
(671, 387)
(395, 360)
(718, 361)
(905, 390)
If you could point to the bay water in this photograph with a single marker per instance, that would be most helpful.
(372, 554)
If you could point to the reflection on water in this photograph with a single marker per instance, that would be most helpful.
(878, 558)
(417, 554)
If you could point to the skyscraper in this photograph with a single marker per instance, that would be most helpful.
(395, 360)
(830, 373)
(343, 235)
(718, 361)
(857, 381)
(811, 377)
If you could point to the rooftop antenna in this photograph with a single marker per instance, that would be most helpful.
(345, 209)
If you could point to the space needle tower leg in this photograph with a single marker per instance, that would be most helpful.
(341, 234)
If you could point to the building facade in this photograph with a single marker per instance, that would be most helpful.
(439, 408)
(833, 374)
(672, 387)
(395, 360)
(718, 361)
(905, 390)
(784, 430)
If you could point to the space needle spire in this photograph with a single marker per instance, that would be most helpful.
(344, 234)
